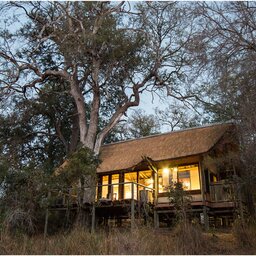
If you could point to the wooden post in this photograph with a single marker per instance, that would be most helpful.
(155, 192)
(46, 216)
(132, 208)
(155, 187)
(155, 176)
(121, 186)
(93, 218)
(156, 219)
(68, 207)
(46, 222)
(206, 218)
(202, 180)
(203, 193)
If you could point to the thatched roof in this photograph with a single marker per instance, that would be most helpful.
(171, 145)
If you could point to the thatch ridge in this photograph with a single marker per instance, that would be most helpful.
(170, 132)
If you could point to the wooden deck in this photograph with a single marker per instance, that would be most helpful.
(142, 203)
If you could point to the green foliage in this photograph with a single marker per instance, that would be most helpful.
(39, 129)
(4, 166)
(180, 200)
(81, 163)
(22, 193)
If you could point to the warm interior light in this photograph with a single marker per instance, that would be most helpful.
(175, 169)
(186, 185)
(128, 195)
(166, 170)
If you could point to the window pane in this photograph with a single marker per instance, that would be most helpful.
(104, 188)
(165, 177)
(188, 175)
(146, 179)
(160, 181)
(115, 188)
(194, 176)
(184, 178)
(130, 177)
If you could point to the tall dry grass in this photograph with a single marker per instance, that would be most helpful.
(140, 240)
(79, 241)
(184, 239)
(189, 239)
(245, 234)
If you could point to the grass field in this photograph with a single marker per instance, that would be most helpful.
(139, 241)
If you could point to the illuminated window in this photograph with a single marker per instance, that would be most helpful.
(115, 188)
(192, 182)
(130, 177)
(146, 179)
(104, 186)
(187, 175)
(165, 177)
(184, 178)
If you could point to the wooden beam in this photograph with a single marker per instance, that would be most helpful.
(150, 164)
(155, 170)
(132, 208)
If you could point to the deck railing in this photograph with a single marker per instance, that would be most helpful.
(116, 192)
(125, 190)
(64, 197)
(221, 191)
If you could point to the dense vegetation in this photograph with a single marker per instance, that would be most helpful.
(71, 71)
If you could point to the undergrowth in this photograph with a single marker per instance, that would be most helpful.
(183, 239)
(245, 233)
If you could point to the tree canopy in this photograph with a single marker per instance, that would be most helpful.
(70, 71)
(103, 55)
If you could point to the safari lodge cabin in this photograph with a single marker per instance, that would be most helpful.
(134, 177)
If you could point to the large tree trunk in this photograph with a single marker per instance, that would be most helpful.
(80, 105)
(74, 134)
(94, 115)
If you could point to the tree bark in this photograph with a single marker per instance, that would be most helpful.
(74, 134)
(94, 115)
(80, 105)
(116, 117)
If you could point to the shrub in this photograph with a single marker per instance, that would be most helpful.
(245, 233)
(189, 239)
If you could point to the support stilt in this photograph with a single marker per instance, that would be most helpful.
(93, 218)
(46, 222)
(206, 218)
(156, 219)
(46, 216)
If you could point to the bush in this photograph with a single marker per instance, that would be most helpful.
(245, 233)
(189, 239)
